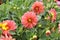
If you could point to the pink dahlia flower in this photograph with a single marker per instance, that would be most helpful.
(58, 2)
(29, 20)
(53, 13)
(8, 25)
(38, 7)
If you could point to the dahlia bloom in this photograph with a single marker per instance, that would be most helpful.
(8, 25)
(38, 7)
(48, 0)
(29, 20)
(53, 14)
(58, 2)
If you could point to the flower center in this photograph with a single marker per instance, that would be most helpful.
(36, 8)
(4, 27)
(30, 20)
(52, 14)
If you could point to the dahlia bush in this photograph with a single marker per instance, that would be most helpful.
(29, 19)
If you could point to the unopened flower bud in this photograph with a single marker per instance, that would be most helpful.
(55, 6)
(59, 26)
(39, 25)
(35, 37)
(58, 31)
(53, 29)
(55, 0)
(18, 8)
(48, 0)
(47, 17)
(14, 7)
(48, 32)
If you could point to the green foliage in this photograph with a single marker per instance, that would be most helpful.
(14, 9)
